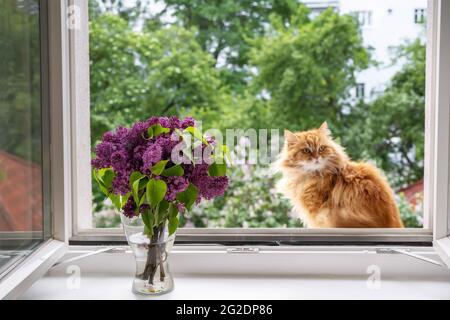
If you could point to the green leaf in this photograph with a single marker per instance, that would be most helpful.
(162, 211)
(142, 201)
(217, 169)
(148, 219)
(176, 170)
(158, 167)
(136, 175)
(108, 177)
(124, 200)
(173, 219)
(143, 182)
(163, 207)
(156, 190)
(150, 132)
(96, 174)
(135, 190)
(188, 196)
(197, 134)
(115, 199)
(148, 231)
(158, 130)
(104, 178)
(173, 225)
(173, 211)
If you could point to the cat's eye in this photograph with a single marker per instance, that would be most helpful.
(321, 149)
(306, 150)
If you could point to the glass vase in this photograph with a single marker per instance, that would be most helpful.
(152, 275)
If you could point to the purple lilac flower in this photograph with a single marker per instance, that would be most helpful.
(181, 207)
(212, 187)
(119, 160)
(175, 185)
(187, 122)
(152, 155)
(128, 150)
(129, 208)
(120, 183)
(208, 187)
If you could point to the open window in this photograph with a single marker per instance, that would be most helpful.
(69, 154)
(103, 63)
(440, 134)
(32, 199)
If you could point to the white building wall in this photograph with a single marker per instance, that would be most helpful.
(391, 24)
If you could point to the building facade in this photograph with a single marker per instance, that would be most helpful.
(385, 24)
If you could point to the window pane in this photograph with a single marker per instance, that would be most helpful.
(21, 112)
(267, 65)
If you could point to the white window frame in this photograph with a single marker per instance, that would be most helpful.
(438, 89)
(83, 233)
(22, 276)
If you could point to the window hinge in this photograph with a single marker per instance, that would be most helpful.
(89, 254)
(407, 252)
(243, 250)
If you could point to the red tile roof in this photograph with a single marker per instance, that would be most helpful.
(20, 194)
(412, 191)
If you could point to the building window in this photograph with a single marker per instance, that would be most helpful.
(364, 17)
(360, 90)
(419, 15)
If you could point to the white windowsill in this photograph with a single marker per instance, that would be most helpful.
(290, 273)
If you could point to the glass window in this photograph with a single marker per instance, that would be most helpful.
(22, 196)
(419, 15)
(265, 66)
(360, 94)
(364, 17)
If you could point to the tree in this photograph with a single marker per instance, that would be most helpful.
(307, 66)
(224, 26)
(138, 74)
(131, 13)
(390, 129)
(20, 81)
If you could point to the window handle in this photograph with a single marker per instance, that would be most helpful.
(243, 250)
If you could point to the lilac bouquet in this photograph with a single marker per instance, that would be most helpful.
(153, 170)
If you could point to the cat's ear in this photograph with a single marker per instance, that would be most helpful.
(290, 137)
(324, 128)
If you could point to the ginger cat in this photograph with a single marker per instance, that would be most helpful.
(331, 191)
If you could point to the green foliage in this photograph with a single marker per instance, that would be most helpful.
(410, 218)
(175, 170)
(173, 219)
(156, 190)
(307, 66)
(250, 201)
(161, 71)
(390, 129)
(20, 80)
(224, 27)
(258, 64)
(188, 196)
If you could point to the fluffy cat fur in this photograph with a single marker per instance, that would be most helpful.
(329, 190)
